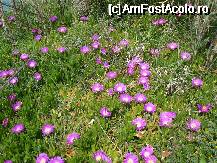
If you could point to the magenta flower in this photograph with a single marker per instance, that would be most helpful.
(42, 158)
(12, 97)
(150, 108)
(110, 91)
(100, 155)
(18, 128)
(98, 61)
(37, 76)
(44, 50)
(24, 57)
(186, 56)
(139, 123)
(130, 71)
(123, 43)
(56, 159)
(146, 86)
(47, 129)
(8, 161)
(84, 18)
(120, 88)
(38, 37)
(103, 51)
(3, 74)
(140, 98)
(5, 122)
(84, 49)
(105, 112)
(111, 75)
(159, 22)
(131, 158)
(145, 73)
(116, 49)
(16, 106)
(144, 66)
(11, 18)
(53, 18)
(146, 151)
(136, 60)
(97, 87)
(143, 80)
(95, 37)
(61, 49)
(62, 29)
(166, 119)
(125, 98)
(204, 108)
(71, 137)
(95, 45)
(31, 63)
(193, 125)
(14, 80)
(197, 82)
(172, 45)
(151, 159)
(106, 64)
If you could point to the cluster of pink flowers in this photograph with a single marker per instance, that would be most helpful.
(44, 158)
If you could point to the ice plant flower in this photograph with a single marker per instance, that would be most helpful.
(186, 56)
(31, 63)
(16, 106)
(62, 29)
(166, 119)
(14, 80)
(151, 159)
(125, 98)
(97, 87)
(159, 22)
(5, 122)
(140, 98)
(38, 37)
(172, 45)
(140, 123)
(130, 158)
(116, 49)
(37, 76)
(53, 18)
(144, 66)
(123, 43)
(104, 111)
(100, 155)
(98, 60)
(8, 161)
(84, 49)
(61, 49)
(111, 75)
(24, 57)
(95, 44)
(71, 137)
(193, 125)
(84, 18)
(146, 86)
(103, 51)
(150, 107)
(18, 128)
(42, 158)
(44, 50)
(12, 97)
(11, 18)
(95, 37)
(197, 82)
(56, 159)
(120, 88)
(47, 129)
(204, 108)
(106, 64)
(146, 151)
(145, 73)
(143, 80)
(110, 91)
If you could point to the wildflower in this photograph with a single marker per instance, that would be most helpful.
(131, 158)
(100, 155)
(125, 98)
(38, 37)
(166, 118)
(95, 44)
(84, 49)
(95, 37)
(111, 75)
(123, 43)
(12, 97)
(143, 80)
(120, 88)
(71, 137)
(18, 128)
(150, 107)
(42, 158)
(5, 122)
(116, 49)
(14, 80)
(8, 161)
(159, 22)
(130, 71)
(31, 63)
(186, 56)
(103, 51)
(44, 50)
(146, 151)
(16, 106)
(47, 129)
(144, 66)
(197, 82)
(84, 18)
(151, 159)
(106, 64)
(11, 18)
(24, 57)
(140, 98)
(146, 86)
(56, 159)
(61, 49)
(110, 91)
(97, 87)
(193, 124)
(98, 60)
(105, 112)
(37, 76)
(3, 74)
(172, 45)
(62, 29)
(139, 123)
(53, 18)
(145, 73)
(204, 108)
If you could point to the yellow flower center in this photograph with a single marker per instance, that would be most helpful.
(130, 161)
(98, 158)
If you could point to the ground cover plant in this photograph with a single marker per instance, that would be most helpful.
(130, 89)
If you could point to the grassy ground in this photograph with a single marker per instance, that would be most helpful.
(64, 98)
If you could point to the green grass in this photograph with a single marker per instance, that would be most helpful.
(64, 98)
